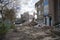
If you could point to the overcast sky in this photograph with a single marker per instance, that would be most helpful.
(27, 5)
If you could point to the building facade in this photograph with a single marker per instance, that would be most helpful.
(47, 18)
(39, 7)
(51, 11)
(54, 12)
(54, 7)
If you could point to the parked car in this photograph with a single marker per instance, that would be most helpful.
(19, 21)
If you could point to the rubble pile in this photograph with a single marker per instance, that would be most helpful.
(32, 23)
(31, 33)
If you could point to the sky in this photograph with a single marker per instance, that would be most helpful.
(27, 5)
(22, 6)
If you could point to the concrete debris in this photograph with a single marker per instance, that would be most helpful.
(31, 33)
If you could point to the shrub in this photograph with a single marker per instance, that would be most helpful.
(4, 28)
(12, 26)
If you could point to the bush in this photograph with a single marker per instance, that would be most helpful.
(4, 28)
(12, 26)
(3, 31)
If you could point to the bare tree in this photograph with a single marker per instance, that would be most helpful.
(10, 14)
(6, 14)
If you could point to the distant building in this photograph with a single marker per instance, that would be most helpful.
(31, 16)
(39, 7)
(25, 16)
